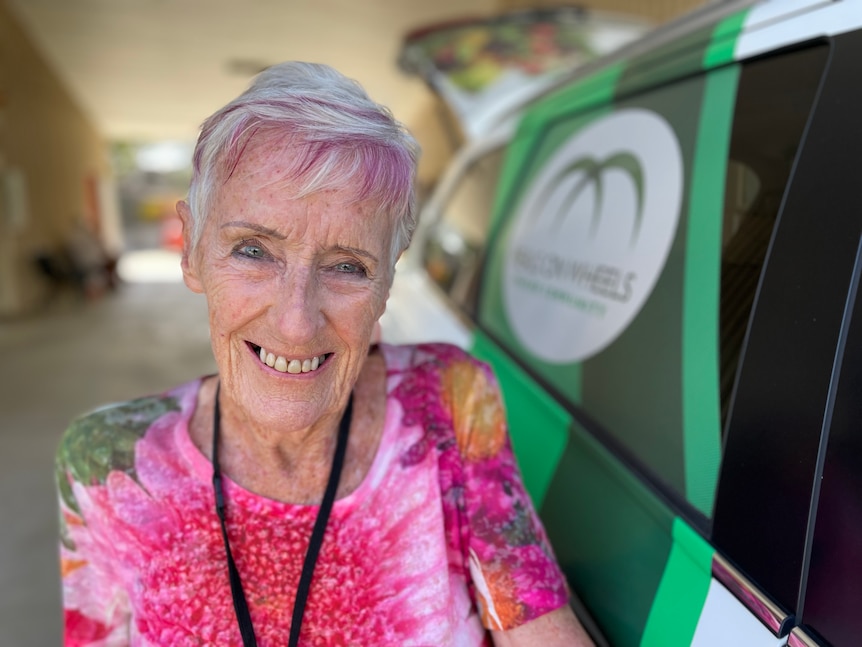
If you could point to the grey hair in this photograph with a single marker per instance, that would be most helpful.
(339, 138)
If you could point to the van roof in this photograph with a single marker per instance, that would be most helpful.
(713, 35)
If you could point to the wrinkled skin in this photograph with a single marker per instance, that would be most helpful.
(301, 278)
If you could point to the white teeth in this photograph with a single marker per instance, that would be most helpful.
(284, 365)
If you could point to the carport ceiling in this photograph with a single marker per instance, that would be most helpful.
(153, 69)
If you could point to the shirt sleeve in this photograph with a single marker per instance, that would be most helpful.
(514, 571)
(95, 607)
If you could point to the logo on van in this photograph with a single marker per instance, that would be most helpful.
(592, 234)
(589, 172)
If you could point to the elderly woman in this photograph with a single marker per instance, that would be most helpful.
(321, 489)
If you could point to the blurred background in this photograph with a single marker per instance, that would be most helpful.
(100, 103)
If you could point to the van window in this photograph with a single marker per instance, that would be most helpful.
(743, 247)
(773, 104)
(786, 363)
(834, 592)
(456, 242)
(659, 389)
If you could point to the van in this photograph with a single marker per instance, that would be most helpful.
(661, 262)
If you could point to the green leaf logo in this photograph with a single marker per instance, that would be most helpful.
(590, 235)
(591, 172)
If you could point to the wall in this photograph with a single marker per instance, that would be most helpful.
(50, 150)
(656, 11)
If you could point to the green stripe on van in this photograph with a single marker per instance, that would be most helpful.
(701, 406)
(705, 48)
(547, 126)
(673, 61)
(682, 592)
(596, 89)
(538, 426)
(611, 534)
(720, 50)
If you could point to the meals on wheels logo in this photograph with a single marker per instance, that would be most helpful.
(592, 234)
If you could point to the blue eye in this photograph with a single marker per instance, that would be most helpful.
(250, 250)
(349, 268)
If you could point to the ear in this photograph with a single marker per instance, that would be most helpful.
(189, 259)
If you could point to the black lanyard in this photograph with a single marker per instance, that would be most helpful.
(239, 603)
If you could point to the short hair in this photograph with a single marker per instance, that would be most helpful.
(340, 137)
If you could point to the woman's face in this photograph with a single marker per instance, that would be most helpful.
(294, 288)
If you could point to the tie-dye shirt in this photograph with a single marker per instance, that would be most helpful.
(438, 543)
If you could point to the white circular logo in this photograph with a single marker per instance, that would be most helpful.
(592, 235)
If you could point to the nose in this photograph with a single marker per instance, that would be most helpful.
(297, 307)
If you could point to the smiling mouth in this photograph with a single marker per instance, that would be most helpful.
(285, 365)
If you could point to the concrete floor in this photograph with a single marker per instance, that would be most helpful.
(71, 358)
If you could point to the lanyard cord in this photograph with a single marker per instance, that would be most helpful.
(239, 602)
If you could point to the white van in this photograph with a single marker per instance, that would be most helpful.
(661, 263)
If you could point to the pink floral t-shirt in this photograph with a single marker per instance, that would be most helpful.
(438, 544)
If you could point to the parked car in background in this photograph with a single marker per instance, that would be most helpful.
(661, 262)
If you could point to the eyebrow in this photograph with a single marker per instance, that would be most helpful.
(357, 251)
(243, 224)
(272, 233)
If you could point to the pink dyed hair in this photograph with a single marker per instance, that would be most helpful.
(340, 138)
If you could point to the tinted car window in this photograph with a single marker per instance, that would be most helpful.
(772, 107)
(745, 237)
(456, 243)
(773, 103)
(786, 364)
(636, 392)
(834, 594)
